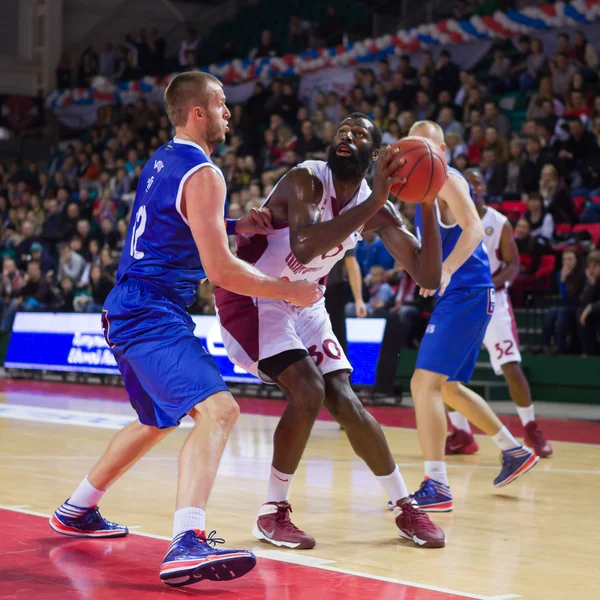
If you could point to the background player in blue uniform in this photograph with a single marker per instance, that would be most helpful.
(177, 237)
(453, 339)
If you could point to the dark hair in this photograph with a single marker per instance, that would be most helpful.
(375, 131)
(445, 53)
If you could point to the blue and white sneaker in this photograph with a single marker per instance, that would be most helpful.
(515, 462)
(433, 496)
(77, 521)
(193, 557)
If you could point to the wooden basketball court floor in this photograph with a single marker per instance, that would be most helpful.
(538, 538)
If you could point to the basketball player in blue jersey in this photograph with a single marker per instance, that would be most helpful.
(176, 239)
(453, 339)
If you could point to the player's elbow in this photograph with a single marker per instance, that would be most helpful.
(431, 279)
(301, 250)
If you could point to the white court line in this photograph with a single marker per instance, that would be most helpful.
(308, 461)
(111, 421)
(288, 557)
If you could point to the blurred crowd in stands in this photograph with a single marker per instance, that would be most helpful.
(64, 223)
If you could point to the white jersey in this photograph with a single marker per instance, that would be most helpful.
(493, 223)
(272, 254)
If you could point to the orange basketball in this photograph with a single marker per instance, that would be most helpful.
(425, 170)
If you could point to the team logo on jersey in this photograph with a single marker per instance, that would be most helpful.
(489, 230)
(158, 165)
(430, 329)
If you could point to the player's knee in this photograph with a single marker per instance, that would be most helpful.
(309, 393)
(511, 370)
(345, 408)
(219, 408)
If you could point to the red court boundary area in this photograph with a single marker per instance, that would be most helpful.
(561, 430)
(36, 563)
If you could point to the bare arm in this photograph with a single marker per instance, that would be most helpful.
(456, 194)
(355, 281)
(309, 237)
(422, 261)
(204, 202)
(510, 255)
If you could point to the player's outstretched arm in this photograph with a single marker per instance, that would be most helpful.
(456, 194)
(302, 191)
(510, 255)
(203, 203)
(422, 261)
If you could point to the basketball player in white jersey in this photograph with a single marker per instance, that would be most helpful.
(318, 210)
(501, 337)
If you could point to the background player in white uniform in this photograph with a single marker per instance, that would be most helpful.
(501, 337)
(317, 209)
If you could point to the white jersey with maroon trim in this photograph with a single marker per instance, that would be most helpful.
(272, 254)
(493, 222)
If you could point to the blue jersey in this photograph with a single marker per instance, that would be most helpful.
(159, 248)
(475, 271)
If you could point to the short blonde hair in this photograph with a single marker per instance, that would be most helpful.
(432, 128)
(185, 89)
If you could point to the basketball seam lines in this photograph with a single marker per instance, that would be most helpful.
(430, 170)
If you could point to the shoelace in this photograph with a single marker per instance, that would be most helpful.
(422, 491)
(417, 516)
(211, 540)
(283, 518)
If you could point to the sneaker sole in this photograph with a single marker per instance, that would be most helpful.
(259, 535)
(531, 462)
(222, 568)
(442, 507)
(57, 525)
(419, 542)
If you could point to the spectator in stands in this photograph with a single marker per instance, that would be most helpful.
(449, 124)
(537, 66)
(309, 145)
(107, 61)
(589, 311)
(41, 256)
(424, 108)
(99, 287)
(580, 146)
(499, 73)
(492, 117)
(267, 47)
(407, 70)
(562, 73)
(447, 74)
(498, 142)
(72, 265)
(63, 296)
(535, 159)
(560, 320)
(514, 165)
(585, 54)
(541, 222)
(298, 38)
(12, 281)
(53, 230)
(427, 66)
(33, 295)
(88, 68)
(331, 30)
(535, 107)
(577, 105)
(494, 174)
(379, 290)
(370, 251)
(401, 92)
(530, 255)
(476, 145)
(64, 74)
(556, 196)
(190, 44)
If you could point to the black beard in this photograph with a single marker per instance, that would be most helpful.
(349, 168)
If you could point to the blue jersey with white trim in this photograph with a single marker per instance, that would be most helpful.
(475, 271)
(159, 248)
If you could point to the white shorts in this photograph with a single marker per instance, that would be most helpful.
(257, 328)
(501, 337)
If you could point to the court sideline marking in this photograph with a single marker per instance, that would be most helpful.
(315, 563)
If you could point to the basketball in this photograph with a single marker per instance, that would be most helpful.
(425, 170)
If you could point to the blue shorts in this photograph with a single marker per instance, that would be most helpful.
(165, 368)
(455, 333)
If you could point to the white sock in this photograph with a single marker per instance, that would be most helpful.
(459, 422)
(86, 495)
(505, 440)
(436, 470)
(279, 486)
(185, 519)
(394, 485)
(526, 414)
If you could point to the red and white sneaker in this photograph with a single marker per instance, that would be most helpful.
(413, 524)
(534, 438)
(461, 442)
(275, 527)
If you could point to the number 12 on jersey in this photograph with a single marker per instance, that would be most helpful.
(138, 229)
